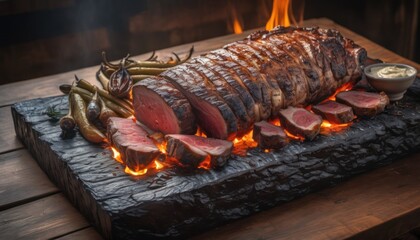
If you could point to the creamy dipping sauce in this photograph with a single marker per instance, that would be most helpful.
(392, 71)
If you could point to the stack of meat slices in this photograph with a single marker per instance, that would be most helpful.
(226, 91)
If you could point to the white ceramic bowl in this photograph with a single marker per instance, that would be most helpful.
(395, 87)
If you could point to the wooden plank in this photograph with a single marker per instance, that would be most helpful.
(382, 204)
(8, 139)
(46, 218)
(22, 180)
(85, 234)
(48, 86)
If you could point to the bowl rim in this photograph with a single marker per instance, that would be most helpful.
(369, 75)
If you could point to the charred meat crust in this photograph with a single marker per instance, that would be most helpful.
(269, 136)
(253, 79)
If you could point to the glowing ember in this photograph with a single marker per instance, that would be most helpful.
(135, 173)
(200, 133)
(205, 164)
(158, 165)
(161, 146)
(328, 127)
(345, 87)
(294, 137)
(154, 165)
(290, 135)
(241, 145)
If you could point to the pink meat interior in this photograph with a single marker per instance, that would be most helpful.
(154, 113)
(271, 129)
(304, 118)
(210, 119)
(332, 107)
(132, 135)
(361, 98)
(208, 145)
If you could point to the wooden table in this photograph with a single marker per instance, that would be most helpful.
(381, 204)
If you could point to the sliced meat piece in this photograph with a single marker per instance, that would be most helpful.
(213, 115)
(364, 103)
(334, 112)
(269, 136)
(192, 150)
(224, 90)
(301, 122)
(161, 107)
(136, 149)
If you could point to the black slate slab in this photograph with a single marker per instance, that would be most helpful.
(175, 203)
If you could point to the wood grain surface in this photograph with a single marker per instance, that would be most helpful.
(41, 219)
(22, 180)
(8, 140)
(382, 203)
(364, 207)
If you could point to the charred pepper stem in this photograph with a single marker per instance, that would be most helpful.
(91, 88)
(67, 123)
(106, 112)
(88, 131)
(87, 96)
(148, 63)
(145, 71)
(103, 79)
(138, 78)
(93, 109)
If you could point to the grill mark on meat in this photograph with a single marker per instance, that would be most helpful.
(315, 55)
(234, 84)
(259, 86)
(256, 76)
(270, 69)
(163, 108)
(239, 74)
(224, 90)
(213, 114)
(316, 62)
(297, 75)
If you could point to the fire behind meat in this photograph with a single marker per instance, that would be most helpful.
(270, 75)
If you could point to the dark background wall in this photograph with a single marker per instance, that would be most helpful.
(42, 37)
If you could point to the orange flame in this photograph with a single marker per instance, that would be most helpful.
(237, 28)
(345, 87)
(135, 173)
(242, 144)
(158, 165)
(328, 127)
(154, 165)
(116, 155)
(283, 13)
(200, 133)
(234, 20)
(205, 164)
(289, 134)
(279, 14)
